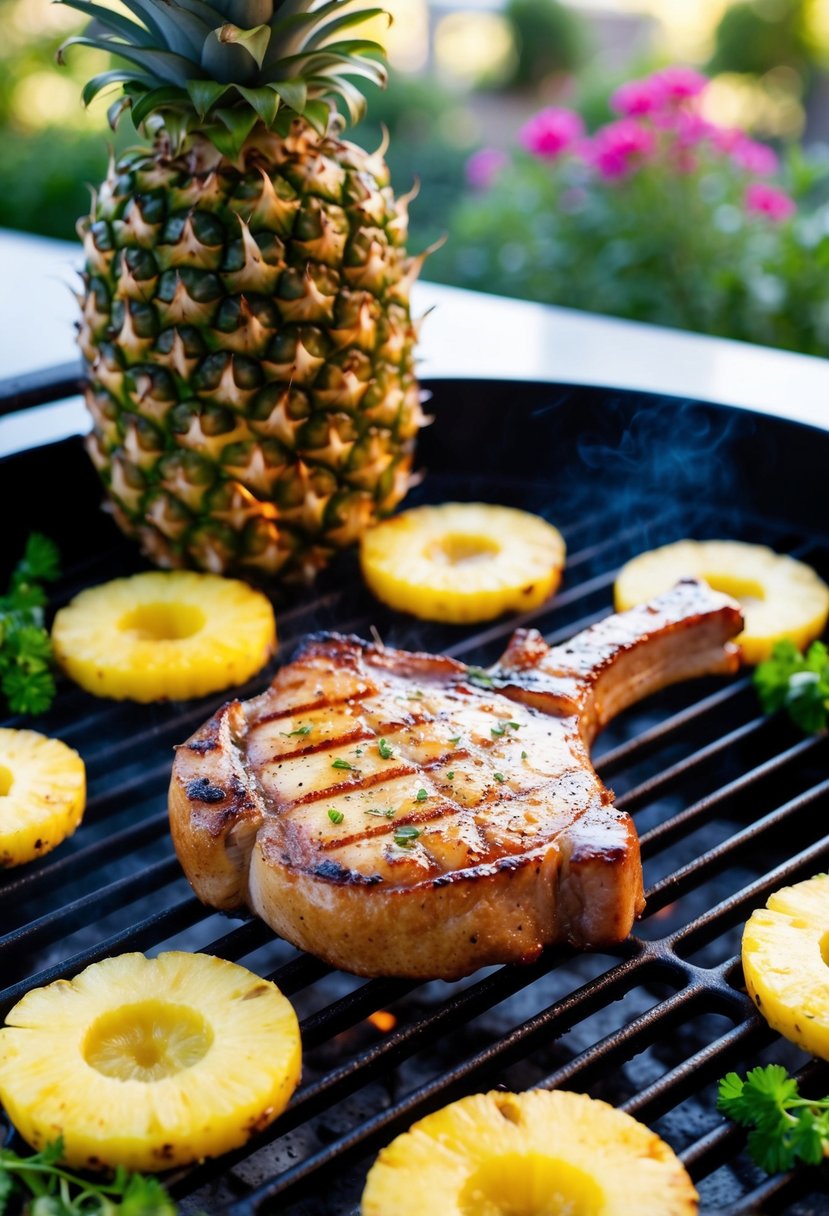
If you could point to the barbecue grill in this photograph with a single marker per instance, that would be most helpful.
(729, 806)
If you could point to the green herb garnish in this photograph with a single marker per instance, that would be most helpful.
(451, 774)
(57, 1192)
(499, 776)
(405, 837)
(300, 730)
(523, 755)
(797, 683)
(383, 812)
(421, 796)
(479, 677)
(26, 660)
(786, 1128)
(334, 815)
(456, 740)
(384, 749)
(338, 763)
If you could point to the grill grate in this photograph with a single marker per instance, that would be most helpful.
(729, 806)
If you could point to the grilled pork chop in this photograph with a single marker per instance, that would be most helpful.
(397, 813)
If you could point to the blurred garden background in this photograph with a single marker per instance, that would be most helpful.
(662, 160)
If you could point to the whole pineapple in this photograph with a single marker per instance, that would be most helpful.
(245, 321)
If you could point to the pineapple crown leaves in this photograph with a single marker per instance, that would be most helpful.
(220, 66)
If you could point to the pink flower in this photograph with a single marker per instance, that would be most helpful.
(551, 132)
(725, 139)
(680, 83)
(754, 157)
(484, 166)
(617, 147)
(691, 129)
(638, 97)
(763, 199)
(652, 94)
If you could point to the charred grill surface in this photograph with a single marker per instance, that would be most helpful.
(728, 806)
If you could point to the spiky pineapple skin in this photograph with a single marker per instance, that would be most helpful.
(249, 346)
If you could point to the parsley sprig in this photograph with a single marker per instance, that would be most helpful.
(797, 683)
(56, 1192)
(26, 678)
(786, 1129)
(405, 836)
(479, 677)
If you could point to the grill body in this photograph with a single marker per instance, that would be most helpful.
(729, 805)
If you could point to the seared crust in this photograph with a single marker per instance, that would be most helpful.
(394, 814)
(215, 809)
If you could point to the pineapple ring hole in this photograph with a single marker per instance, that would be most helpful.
(746, 590)
(530, 1184)
(146, 1041)
(6, 780)
(461, 549)
(163, 622)
(824, 948)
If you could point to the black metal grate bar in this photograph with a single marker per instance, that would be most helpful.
(142, 935)
(676, 772)
(648, 740)
(704, 927)
(659, 836)
(41, 387)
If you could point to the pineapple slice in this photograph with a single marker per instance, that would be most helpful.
(164, 635)
(462, 562)
(785, 954)
(42, 794)
(149, 1063)
(780, 597)
(539, 1153)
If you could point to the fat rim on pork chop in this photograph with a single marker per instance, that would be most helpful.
(398, 813)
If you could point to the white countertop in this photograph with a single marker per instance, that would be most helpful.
(464, 334)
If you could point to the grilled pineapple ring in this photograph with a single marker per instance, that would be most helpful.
(149, 1063)
(42, 794)
(780, 597)
(531, 1154)
(164, 635)
(462, 562)
(785, 952)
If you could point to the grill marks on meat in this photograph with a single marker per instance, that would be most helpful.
(394, 814)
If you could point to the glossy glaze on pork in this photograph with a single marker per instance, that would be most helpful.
(398, 813)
